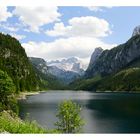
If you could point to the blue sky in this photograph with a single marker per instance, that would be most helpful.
(123, 19)
(60, 32)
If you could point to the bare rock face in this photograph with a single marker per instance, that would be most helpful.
(65, 70)
(111, 61)
(68, 64)
(97, 52)
(95, 55)
(40, 64)
(136, 31)
(63, 75)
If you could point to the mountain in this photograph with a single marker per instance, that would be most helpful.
(111, 61)
(117, 69)
(40, 64)
(63, 75)
(47, 80)
(95, 55)
(70, 64)
(14, 61)
(136, 31)
(125, 80)
(57, 70)
(66, 70)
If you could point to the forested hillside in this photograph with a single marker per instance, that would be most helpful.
(14, 61)
(117, 69)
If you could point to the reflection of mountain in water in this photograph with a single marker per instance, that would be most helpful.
(102, 112)
(120, 106)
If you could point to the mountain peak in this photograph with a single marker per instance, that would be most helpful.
(97, 52)
(72, 59)
(111, 61)
(95, 55)
(136, 31)
(66, 64)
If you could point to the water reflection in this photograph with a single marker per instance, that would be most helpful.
(102, 112)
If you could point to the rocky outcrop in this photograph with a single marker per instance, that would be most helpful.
(63, 75)
(111, 61)
(66, 70)
(136, 31)
(70, 64)
(58, 69)
(40, 64)
(95, 55)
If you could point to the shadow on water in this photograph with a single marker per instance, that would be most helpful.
(119, 114)
(102, 112)
(123, 107)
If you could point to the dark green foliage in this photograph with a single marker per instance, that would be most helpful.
(7, 90)
(118, 68)
(14, 61)
(125, 80)
(85, 84)
(47, 81)
(6, 84)
(69, 118)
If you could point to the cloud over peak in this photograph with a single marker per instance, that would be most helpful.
(82, 47)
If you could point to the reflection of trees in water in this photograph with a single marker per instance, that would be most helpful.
(123, 107)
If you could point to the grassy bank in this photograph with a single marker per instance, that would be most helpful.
(11, 123)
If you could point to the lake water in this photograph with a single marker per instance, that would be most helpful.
(102, 112)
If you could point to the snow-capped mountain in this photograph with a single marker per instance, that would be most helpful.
(66, 70)
(71, 64)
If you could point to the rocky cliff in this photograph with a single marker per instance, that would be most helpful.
(111, 61)
(40, 64)
(72, 64)
(136, 31)
(65, 71)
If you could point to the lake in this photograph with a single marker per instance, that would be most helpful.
(102, 112)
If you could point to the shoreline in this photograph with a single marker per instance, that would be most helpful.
(117, 91)
(23, 95)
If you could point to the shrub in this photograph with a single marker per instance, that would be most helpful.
(69, 118)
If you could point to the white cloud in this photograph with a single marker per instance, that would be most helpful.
(98, 8)
(34, 17)
(4, 14)
(88, 26)
(9, 27)
(17, 36)
(95, 8)
(81, 47)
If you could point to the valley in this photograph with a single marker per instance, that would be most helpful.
(110, 85)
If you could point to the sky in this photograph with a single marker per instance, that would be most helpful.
(61, 32)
